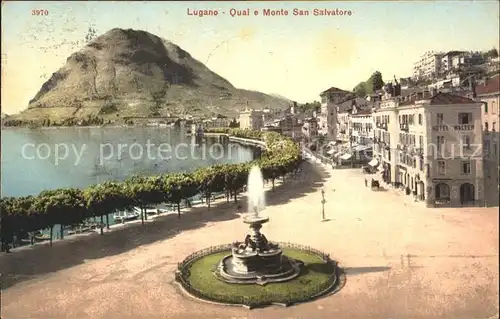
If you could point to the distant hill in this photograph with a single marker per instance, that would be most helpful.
(135, 73)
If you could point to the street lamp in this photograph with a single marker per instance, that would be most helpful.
(323, 201)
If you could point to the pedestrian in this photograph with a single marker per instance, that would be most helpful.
(366, 183)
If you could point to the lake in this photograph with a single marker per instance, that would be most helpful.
(35, 160)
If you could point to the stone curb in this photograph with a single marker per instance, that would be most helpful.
(323, 293)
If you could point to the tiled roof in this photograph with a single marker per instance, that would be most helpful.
(447, 98)
(491, 86)
(440, 99)
(334, 90)
(363, 112)
(347, 104)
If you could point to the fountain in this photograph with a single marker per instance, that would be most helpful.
(256, 260)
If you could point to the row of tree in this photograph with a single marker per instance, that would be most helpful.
(68, 207)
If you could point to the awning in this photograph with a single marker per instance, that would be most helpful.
(361, 148)
(330, 152)
(373, 162)
(346, 156)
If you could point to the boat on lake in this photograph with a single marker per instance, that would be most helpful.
(126, 215)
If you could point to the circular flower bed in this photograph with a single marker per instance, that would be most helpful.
(318, 277)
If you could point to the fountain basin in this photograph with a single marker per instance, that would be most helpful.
(257, 269)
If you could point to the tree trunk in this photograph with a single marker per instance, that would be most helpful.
(107, 221)
(179, 210)
(228, 195)
(142, 215)
(61, 232)
(51, 234)
(208, 201)
(101, 226)
(272, 181)
(235, 196)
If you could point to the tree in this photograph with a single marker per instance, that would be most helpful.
(360, 89)
(375, 81)
(492, 54)
(104, 199)
(144, 191)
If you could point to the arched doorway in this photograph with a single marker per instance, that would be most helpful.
(466, 193)
(442, 192)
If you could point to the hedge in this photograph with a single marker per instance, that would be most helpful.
(72, 206)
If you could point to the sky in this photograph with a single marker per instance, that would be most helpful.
(293, 56)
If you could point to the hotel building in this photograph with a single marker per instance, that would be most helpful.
(430, 145)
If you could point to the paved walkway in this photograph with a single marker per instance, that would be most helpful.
(402, 260)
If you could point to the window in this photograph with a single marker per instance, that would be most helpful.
(493, 126)
(440, 142)
(464, 118)
(421, 141)
(466, 167)
(486, 126)
(442, 191)
(493, 107)
(485, 107)
(440, 119)
(486, 147)
(441, 167)
(420, 119)
(466, 141)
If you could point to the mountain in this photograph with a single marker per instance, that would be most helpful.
(135, 73)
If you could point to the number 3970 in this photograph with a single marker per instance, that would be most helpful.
(41, 12)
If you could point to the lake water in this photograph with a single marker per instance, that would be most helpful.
(36, 160)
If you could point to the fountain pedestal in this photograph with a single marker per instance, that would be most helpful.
(256, 260)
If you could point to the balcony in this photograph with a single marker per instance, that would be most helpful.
(378, 125)
(404, 127)
(383, 126)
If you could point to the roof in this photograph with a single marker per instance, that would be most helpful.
(347, 105)
(452, 53)
(491, 86)
(363, 112)
(334, 90)
(447, 98)
(441, 99)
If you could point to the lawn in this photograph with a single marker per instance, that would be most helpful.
(313, 279)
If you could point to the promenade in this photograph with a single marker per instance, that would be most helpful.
(401, 260)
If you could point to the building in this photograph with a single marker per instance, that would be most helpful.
(361, 124)
(251, 119)
(428, 65)
(431, 146)
(310, 129)
(489, 95)
(328, 115)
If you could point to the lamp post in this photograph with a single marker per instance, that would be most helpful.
(350, 146)
(323, 201)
